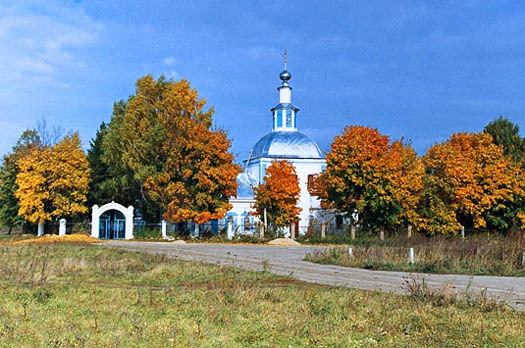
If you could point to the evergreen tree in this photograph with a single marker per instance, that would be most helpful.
(507, 134)
(99, 192)
(8, 171)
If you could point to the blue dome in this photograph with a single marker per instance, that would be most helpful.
(245, 182)
(286, 145)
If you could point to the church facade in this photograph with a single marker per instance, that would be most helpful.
(283, 142)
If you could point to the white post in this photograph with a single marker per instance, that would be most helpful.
(411, 256)
(265, 221)
(350, 251)
(129, 223)
(463, 232)
(40, 229)
(62, 228)
(196, 231)
(95, 222)
(230, 227)
(164, 230)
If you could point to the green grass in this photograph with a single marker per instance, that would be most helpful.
(92, 296)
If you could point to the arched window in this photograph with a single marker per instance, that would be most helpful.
(247, 224)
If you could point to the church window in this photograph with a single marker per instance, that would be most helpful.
(247, 225)
(279, 118)
(288, 118)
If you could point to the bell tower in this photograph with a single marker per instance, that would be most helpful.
(285, 113)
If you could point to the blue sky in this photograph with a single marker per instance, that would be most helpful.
(418, 69)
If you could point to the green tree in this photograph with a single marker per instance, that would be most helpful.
(507, 134)
(108, 183)
(99, 169)
(8, 171)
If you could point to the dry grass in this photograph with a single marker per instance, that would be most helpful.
(53, 238)
(67, 295)
(476, 256)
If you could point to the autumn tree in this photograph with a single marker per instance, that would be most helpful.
(164, 136)
(507, 134)
(468, 181)
(406, 177)
(53, 181)
(360, 173)
(278, 195)
(8, 171)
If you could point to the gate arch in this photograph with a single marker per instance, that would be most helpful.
(98, 211)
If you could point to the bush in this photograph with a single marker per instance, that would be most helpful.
(148, 233)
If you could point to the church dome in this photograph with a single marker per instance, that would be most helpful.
(284, 144)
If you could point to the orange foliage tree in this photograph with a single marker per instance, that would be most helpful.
(278, 195)
(368, 175)
(469, 183)
(164, 136)
(53, 181)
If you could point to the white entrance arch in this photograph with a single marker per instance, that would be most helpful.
(97, 211)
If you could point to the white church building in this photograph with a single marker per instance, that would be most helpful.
(284, 142)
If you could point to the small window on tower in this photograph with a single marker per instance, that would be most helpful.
(288, 118)
(279, 118)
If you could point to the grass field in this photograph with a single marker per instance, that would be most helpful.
(74, 295)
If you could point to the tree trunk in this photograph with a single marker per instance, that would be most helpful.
(292, 230)
(10, 230)
(382, 234)
(352, 231)
(323, 230)
(409, 233)
(40, 229)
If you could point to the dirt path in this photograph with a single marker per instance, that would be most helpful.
(289, 261)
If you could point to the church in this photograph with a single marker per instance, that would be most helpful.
(284, 142)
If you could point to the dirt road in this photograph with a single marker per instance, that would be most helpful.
(289, 261)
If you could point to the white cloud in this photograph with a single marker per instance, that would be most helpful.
(168, 61)
(36, 45)
(172, 74)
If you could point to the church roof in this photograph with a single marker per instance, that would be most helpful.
(285, 144)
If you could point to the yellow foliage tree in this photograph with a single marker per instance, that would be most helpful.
(406, 176)
(53, 181)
